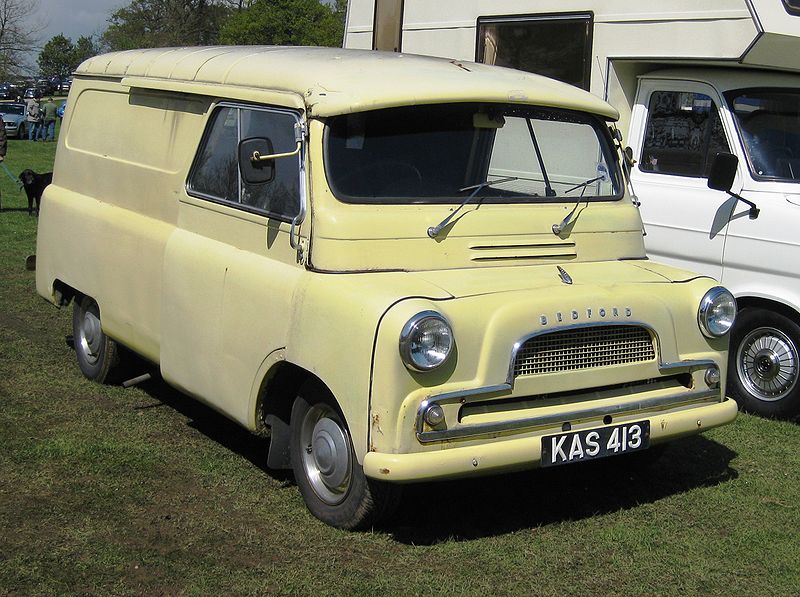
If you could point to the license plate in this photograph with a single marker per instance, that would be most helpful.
(566, 448)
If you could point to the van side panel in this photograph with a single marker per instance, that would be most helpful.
(229, 282)
(104, 235)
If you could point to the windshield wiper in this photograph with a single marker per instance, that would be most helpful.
(548, 189)
(586, 183)
(434, 231)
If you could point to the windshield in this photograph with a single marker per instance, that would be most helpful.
(438, 153)
(12, 109)
(769, 123)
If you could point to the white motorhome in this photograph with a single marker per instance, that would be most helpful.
(698, 85)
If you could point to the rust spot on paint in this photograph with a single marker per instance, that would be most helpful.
(384, 471)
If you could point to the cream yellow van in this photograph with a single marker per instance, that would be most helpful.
(403, 268)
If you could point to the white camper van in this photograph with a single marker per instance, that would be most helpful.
(709, 99)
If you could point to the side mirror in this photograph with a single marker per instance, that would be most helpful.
(720, 178)
(256, 171)
(723, 171)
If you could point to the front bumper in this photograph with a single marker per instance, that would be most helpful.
(526, 452)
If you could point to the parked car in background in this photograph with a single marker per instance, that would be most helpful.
(14, 119)
(33, 92)
(65, 85)
(46, 86)
(6, 91)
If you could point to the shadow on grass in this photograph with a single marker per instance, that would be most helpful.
(494, 505)
(481, 507)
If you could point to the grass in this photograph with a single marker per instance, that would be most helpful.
(107, 491)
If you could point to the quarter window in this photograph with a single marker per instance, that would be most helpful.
(216, 173)
(684, 133)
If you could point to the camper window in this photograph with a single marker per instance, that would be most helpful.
(556, 46)
(684, 133)
(216, 174)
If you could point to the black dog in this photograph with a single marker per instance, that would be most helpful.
(34, 185)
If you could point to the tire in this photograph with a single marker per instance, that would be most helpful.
(21, 131)
(764, 364)
(326, 471)
(98, 355)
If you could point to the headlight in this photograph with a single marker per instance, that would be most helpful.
(426, 341)
(717, 312)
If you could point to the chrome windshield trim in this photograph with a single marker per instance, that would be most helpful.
(708, 395)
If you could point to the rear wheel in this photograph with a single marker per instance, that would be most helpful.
(329, 477)
(764, 366)
(98, 355)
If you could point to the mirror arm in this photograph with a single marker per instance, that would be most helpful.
(257, 157)
(754, 211)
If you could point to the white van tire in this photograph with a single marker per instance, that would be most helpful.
(326, 471)
(764, 363)
(97, 354)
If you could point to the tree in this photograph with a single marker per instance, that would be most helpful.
(61, 57)
(56, 57)
(158, 23)
(286, 22)
(84, 48)
(17, 35)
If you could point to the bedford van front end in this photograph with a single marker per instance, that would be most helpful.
(547, 374)
(539, 334)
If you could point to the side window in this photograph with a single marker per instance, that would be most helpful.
(216, 175)
(559, 46)
(684, 133)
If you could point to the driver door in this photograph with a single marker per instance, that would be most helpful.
(676, 131)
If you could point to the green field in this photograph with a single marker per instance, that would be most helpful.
(107, 491)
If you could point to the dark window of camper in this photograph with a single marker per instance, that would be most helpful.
(387, 29)
(557, 46)
(792, 7)
(216, 174)
(683, 135)
(768, 120)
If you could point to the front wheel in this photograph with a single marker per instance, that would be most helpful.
(764, 363)
(329, 477)
(21, 131)
(98, 355)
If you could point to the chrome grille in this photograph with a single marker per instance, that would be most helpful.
(584, 348)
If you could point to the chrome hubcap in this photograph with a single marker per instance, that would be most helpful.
(91, 335)
(767, 363)
(327, 459)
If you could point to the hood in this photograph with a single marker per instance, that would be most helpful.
(606, 274)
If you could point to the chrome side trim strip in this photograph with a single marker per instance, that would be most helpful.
(585, 413)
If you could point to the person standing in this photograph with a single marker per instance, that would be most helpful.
(49, 118)
(32, 114)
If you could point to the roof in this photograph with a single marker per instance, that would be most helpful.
(337, 81)
(725, 79)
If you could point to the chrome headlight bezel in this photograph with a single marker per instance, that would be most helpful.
(708, 313)
(414, 359)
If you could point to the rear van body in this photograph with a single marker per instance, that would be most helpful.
(334, 247)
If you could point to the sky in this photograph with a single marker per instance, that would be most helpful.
(74, 18)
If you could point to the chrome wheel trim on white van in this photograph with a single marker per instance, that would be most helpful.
(327, 457)
(90, 334)
(767, 361)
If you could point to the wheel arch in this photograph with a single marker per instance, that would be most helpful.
(63, 294)
(749, 301)
(272, 409)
